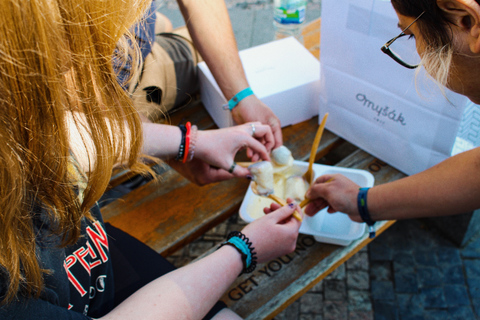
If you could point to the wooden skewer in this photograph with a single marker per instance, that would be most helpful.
(307, 201)
(245, 164)
(304, 202)
(282, 202)
(309, 174)
(275, 198)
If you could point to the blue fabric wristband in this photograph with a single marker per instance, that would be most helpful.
(232, 103)
(363, 210)
(242, 246)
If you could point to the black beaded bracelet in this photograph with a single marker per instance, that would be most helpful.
(242, 244)
(181, 148)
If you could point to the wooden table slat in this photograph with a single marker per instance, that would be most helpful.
(311, 37)
(169, 213)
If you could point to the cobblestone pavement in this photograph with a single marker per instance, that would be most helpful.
(409, 272)
(416, 273)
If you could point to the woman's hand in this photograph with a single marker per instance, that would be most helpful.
(336, 192)
(199, 172)
(274, 234)
(219, 147)
(253, 109)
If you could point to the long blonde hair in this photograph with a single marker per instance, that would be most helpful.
(56, 58)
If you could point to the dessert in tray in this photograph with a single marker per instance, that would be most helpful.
(287, 180)
(279, 176)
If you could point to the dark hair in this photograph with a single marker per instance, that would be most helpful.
(435, 28)
(433, 25)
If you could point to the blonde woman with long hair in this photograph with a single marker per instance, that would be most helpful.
(64, 123)
(447, 36)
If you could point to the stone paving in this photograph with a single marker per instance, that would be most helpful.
(416, 273)
(409, 272)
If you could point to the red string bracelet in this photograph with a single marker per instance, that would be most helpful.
(188, 125)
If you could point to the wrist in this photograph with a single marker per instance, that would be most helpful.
(375, 213)
(242, 244)
(362, 205)
(246, 103)
(188, 141)
(193, 144)
(240, 96)
(233, 260)
(249, 109)
(200, 148)
(183, 141)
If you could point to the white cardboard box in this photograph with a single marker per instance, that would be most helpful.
(282, 74)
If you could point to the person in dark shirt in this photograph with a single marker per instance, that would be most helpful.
(65, 123)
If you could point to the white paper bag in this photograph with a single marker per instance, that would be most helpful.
(374, 102)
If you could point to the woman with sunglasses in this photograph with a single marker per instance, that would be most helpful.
(447, 35)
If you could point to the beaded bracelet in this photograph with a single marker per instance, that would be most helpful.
(242, 244)
(193, 141)
(363, 210)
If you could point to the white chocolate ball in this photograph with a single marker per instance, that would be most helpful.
(281, 156)
(295, 188)
(263, 175)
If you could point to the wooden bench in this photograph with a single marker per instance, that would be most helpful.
(169, 214)
(275, 285)
(172, 212)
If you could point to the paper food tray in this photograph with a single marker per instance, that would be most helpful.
(336, 228)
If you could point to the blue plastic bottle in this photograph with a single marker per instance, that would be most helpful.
(289, 18)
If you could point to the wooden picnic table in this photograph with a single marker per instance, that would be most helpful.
(168, 214)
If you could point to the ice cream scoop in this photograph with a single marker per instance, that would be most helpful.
(263, 176)
(295, 188)
(282, 159)
(281, 155)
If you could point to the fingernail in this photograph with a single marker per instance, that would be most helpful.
(291, 205)
(249, 177)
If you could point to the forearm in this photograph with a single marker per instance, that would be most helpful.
(161, 141)
(186, 293)
(451, 187)
(209, 25)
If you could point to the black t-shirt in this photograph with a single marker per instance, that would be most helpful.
(80, 284)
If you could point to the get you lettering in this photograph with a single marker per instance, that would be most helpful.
(268, 271)
(381, 111)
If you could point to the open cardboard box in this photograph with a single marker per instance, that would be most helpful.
(282, 74)
(336, 228)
